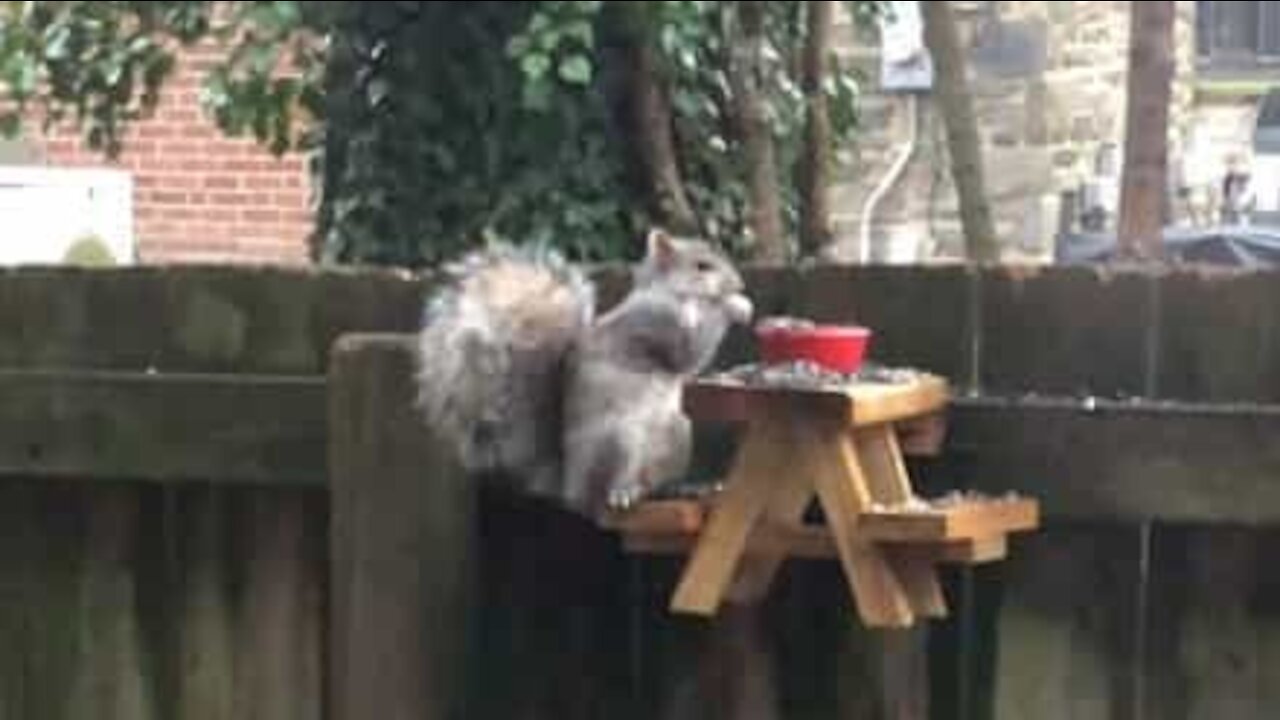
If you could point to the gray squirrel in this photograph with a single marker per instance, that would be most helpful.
(522, 380)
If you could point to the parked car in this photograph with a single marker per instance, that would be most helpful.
(1230, 245)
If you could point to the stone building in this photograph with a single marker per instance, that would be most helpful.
(1048, 80)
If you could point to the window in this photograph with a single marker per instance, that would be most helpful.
(1238, 35)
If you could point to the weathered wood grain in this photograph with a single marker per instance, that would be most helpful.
(1122, 461)
(163, 428)
(1068, 624)
(401, 539)
(1213, 640)
(196, 319)
(133, 601)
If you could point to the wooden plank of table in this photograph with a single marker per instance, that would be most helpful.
(659, 517)
(860, 405)
(966, 519)
(968, 551)
(889, 484)
(814, 542)
(875, 404)
(881, 460)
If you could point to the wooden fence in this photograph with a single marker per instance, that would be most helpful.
(214, 505)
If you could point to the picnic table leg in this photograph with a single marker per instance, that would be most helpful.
(712, 564)
(842, 490)
(889, 484)
(790, 498)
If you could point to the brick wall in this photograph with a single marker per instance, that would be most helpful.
(199, 196)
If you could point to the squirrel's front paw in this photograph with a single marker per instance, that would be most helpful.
(625, 497)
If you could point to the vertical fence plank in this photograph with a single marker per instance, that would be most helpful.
(111, 680)
(17, 532)
(1215, 640)
(41, 628)
(206, 659)
(1068, 625)
(741, 665)
(718, 668)
(401, 525)
(549, 635)
(279, 655)
(71, 644)
(803, 653)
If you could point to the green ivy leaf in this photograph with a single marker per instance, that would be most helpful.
(576, 69)
(56, 42)
(535, 65)
(23, 78)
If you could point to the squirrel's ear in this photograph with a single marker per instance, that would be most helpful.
(661, 248)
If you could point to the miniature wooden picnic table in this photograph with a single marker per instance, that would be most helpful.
(841, 445)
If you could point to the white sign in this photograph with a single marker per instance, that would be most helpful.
(45, 210)
(904, 60)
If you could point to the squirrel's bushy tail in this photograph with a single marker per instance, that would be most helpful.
(491, 356)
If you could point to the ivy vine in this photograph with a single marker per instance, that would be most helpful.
(433, 126)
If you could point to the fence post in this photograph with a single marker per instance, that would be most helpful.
(401, 542)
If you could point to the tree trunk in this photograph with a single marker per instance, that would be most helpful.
(746, 43)
(1146, 148)
(651, 122)
(956, 105)
(815, 211)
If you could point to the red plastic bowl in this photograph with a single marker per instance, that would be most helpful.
(835, 347)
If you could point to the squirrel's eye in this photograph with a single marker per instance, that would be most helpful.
(703, 266)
